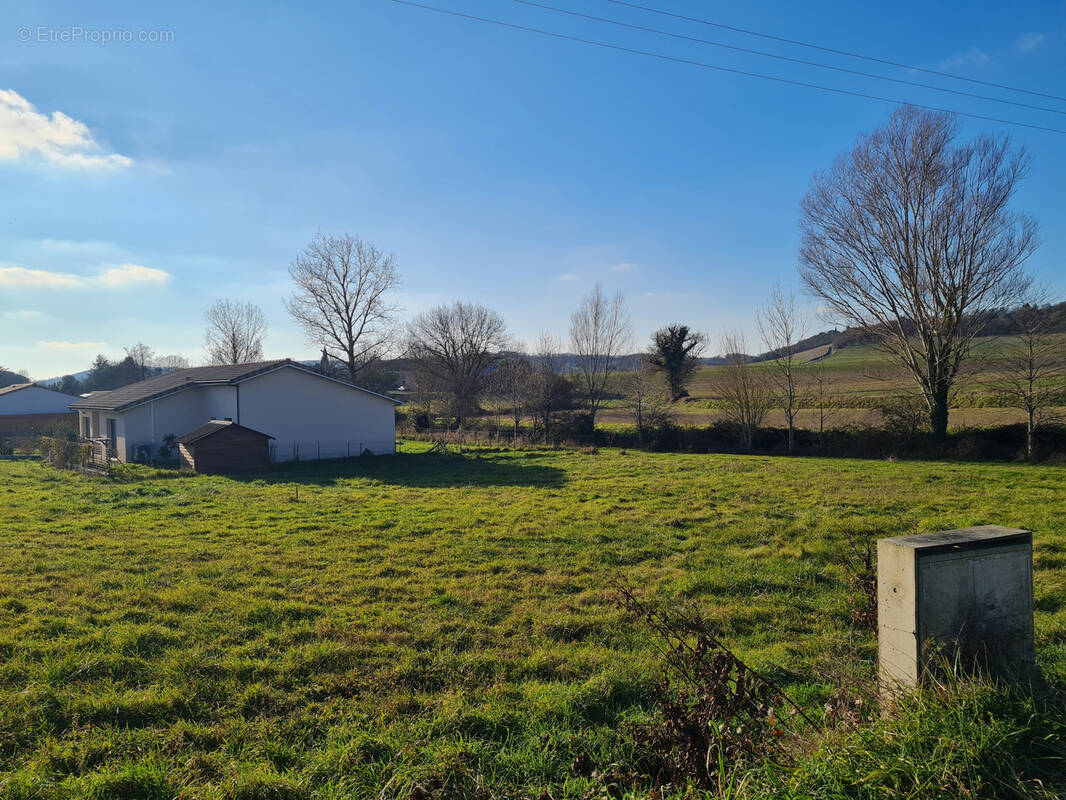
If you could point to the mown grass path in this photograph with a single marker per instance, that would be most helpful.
(444, 621)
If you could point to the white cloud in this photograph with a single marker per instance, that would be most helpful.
(974, 57)
(38, 278)
(1028, 42)
(63, 345)
(566, 277)
(128, 274)
(58, 139)
(117, 276)
(624, 267)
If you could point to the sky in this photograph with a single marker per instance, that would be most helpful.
(157, 157)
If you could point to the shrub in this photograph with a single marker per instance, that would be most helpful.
(714, 715)
(65, 453)
(905, 416)
(166, 449)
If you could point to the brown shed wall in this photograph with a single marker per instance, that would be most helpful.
(226, 451)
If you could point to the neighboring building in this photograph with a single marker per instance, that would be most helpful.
(27, 408)
(308, 415)
(221, 446)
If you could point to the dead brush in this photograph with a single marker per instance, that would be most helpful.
(861, 568)
(713, 713)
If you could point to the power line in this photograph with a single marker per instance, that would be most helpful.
(834, 51)
(788, 58)
(718, 68)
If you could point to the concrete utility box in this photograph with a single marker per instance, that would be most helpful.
(969, 590)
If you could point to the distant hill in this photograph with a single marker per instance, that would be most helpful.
(7, 378)
(1005, 322)
(78, 376)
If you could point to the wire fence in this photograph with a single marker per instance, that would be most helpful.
(502, 437)
(319, 450)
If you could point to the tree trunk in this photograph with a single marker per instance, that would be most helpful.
(1030, 428)
(938, 413)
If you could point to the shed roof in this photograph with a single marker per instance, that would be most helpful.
(215, 426)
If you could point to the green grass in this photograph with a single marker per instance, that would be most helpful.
(442, 622)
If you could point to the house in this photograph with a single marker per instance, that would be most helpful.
(27, 408)
(309, 415)
(222, 446)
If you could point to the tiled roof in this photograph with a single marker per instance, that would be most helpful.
(173, 382)
(176, 381)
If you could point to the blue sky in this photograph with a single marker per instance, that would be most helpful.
(144, 180)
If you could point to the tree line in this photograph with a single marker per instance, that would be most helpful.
(910, 237)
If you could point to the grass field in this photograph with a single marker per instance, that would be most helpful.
(857, 382)
(362, 628)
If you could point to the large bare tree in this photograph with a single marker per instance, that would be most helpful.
(599, 335)
(453, 350)
(911, 235)
(744, 390)
(782, 327)
(234, 332)
(342, 299)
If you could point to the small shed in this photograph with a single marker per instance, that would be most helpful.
(222, 446)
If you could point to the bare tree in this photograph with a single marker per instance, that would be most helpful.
(647, 398)
(825, 402)
(599, 334)
(342, 299)
(170, 363)
(783, 327)
(550, 391)
(234, 333)
(1031, 369)
(912, 236)
(676, 350)
(453, 349)
(511, 384)
(143, 358)
(744, 390)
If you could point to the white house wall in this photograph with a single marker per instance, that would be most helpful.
(147, 425)
(309, 417)
(312, 417)
(217, 402)
(35, 400)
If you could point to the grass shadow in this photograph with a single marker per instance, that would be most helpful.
(416, 470)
